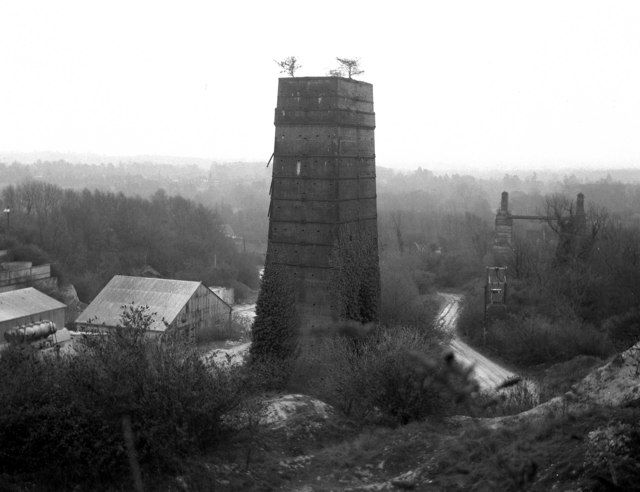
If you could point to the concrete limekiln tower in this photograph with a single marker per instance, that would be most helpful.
(323, 183)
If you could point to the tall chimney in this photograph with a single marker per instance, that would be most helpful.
(324, 178)
(504, 202)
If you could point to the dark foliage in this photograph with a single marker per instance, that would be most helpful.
(534, 329)
(378, 379)
(407, 289)
(63, 418)
(275, 332)
(624, 329)
(356, 275)
(95, 235)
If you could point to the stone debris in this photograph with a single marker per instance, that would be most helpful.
(406, 480)
(616, 383)
(233, 356)
(296, 463)
(280, 410)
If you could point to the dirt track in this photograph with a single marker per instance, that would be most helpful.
(487, 373)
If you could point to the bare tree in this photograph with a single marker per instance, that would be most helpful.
(478, 233)
(577, 232)
(598, 219)
(348, 66)
(529, 259)
(289, 65)
(27, 192)
(559, 211)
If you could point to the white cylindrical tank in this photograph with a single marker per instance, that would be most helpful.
(31, 332)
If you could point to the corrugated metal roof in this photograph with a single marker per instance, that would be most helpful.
(164, 297)
(25, 302)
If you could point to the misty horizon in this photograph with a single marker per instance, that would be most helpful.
(440, 168)
(461, 87)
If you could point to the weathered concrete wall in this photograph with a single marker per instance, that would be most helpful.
(17, 274)
(323, 179)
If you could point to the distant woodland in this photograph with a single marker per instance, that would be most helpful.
(89, 236)
(435, 231)
(237, 192)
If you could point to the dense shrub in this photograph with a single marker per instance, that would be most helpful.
(536, 339)
(375, 378)
(402, 300)
(356, 275)
(624, 329)
(399, 298)
(242, 292)
(612, 451)
(65, 419)
(275, 332)
(453, 269)
(509, 400)
(526, 334)
(559, 378)
(529, 297)
(424, 280)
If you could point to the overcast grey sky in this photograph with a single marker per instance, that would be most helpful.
(459, 83)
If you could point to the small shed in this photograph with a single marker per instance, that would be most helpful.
(24, 306)
(181, 305)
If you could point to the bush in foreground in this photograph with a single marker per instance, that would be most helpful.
(377, 378)
(125, 399)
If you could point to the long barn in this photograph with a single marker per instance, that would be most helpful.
(184, 306)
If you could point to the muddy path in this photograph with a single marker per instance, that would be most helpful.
(487, 373)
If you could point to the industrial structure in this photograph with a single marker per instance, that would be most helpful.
(502, 239)
(574, 226)
(324, 182)
(20, 274)
(28, 306)
(495, 289)
(183, 306)
(571, 230)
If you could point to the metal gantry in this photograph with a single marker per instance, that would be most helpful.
(495, 292)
